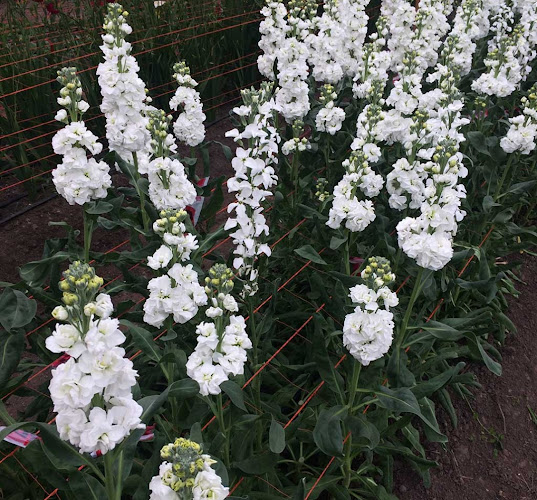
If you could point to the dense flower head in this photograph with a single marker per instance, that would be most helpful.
(222, 341)
(188, 127)
(91, 392)
(330, 117)
(511, 49)
(186, 473)
(368, 330)
(124, 102)
(254, 175)
(177, 293)
(77, 178)
(177, 245)
(522, 132)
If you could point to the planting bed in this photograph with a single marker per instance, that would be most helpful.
(340, 316)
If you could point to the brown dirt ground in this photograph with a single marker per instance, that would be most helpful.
(492, 454)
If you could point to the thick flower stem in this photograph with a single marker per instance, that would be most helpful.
(222, 425)
(257, 381)
(504, 176)
(141, 194)
(88, 231)
(415, 294)
(356, 369)
(113, 485)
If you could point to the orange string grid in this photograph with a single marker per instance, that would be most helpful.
(57, 51)
(225, 28)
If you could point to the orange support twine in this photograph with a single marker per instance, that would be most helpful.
(225, 28)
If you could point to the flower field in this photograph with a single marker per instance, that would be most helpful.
(289, 244)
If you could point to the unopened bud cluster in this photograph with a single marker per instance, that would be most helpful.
(70, 96)
(80, 284)
(220, 280)
(377, 273)
(187, 472)
(321, 193)
(162, 142)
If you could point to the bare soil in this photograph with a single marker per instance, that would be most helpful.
(492, 454)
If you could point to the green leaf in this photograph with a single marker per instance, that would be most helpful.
(327, 433)
(521, 187)
(234, 392)
(441, 331)
(363, 431)
(475, 343)
(276, 437)
(215, 202)
(227, 151)
(62, 455)
(402, 400)
(36, 273)
(184, 389)
(434, 384)
(11, 347)
(309, 253)
(98, 208)
(16, 310)
(143, 340)
(258, 464)
(478, 141)
(335, 242)
(85, 486)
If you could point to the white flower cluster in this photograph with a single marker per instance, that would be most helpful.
(522, 133)
(400, 16)
(77, 178)
(292, 97)
(326, 46)
(511, 51)
(372, 66)
(176, 293)
(186, 473)
(347, 208)
(188, 127)
(91, 392)
(123, 92)
(178, 244)
(471, 23)
(368, 331)
(254, 176)
(169, 187)
(330, 117)
(222, 342)
(420, 52)
(273, 30)
(429, 178)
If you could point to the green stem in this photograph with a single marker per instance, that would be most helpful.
(504, 176)
(88, 232)
(119, 480)
(356, 369)
(415, 294)
(347, 253)
(256, 385)
(141, 195)
(109, 477)
(222, 425)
